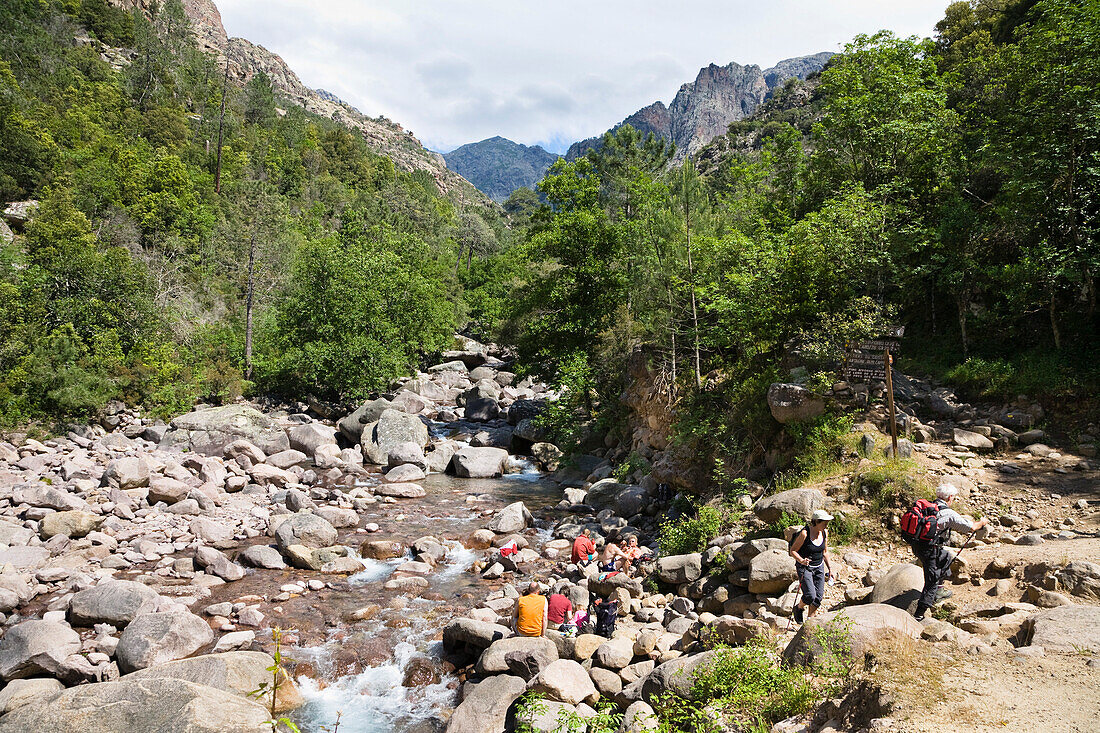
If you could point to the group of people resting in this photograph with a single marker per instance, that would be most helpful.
(612, 558)
(535, 613)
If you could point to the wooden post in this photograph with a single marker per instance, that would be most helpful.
(888, 359)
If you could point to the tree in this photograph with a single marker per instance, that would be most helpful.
(259, 100)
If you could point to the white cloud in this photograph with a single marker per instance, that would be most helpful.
(457, 71)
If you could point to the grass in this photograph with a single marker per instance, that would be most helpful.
(890, 484)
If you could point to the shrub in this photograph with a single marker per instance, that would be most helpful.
(892, 484)
(690, 534)
(630, 466)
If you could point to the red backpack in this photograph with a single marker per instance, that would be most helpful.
(918, 524)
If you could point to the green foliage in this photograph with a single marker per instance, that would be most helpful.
(785, 522)
(691, 534)
(633, 464)
(891, 484)
(820, 447)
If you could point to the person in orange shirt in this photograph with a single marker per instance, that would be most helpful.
(529, 618)
(584, 549)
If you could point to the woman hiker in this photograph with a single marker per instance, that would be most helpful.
(810, 550)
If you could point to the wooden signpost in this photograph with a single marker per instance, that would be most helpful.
(873, 360)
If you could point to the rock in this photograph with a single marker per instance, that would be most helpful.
(481, 404)
(155, 638)
(381, 549)
(1031, 436)
(163, 705)
(675, 676)
(548, 455)
(791, 403)
(737, 631)
(463, 633)
(1080, 578)
(244, 448)
(900, 587)
(471, 462)
(678, 569)
(18, 693)
(866, 626)
(126, 473)
(639, 718)
(33, 648)
(392, 428)
(540, 650)
(239, 672)
(405, 472)
(771, 572)
(606, 588)
(308, 438)
(400, 491)
(305, 529)
(209, 431)
(438, 459)
(338, 517)
(46, 497)
(798, 502)
(615, 653)
(115, 602)
(74, 524)
(485, 709)
(407, 455)
(168, 490)
(217, 563)
(262, 556)
(565, 681)
(285, 459)
(351, 427)
(1067, 629)
(548, 716)
(266, 475)
(511, 519)
(972, 440)
(210, 530)
(608, 683)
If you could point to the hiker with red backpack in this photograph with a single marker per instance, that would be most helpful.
(810, 550)
(925, 527)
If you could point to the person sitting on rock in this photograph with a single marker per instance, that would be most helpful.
(632, 552)
(613, 558)
(584, 549)
(559, 611)
(810, 550)
(934, 557)
(529, 618)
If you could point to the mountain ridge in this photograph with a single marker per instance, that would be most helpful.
(498, 166)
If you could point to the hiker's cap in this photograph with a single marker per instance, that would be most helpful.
(821, 516)
(946, 491)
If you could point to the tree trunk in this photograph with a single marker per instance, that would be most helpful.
(691, 280)
(221, 124)
(248, 308)
(963, 302)
(1055, 331)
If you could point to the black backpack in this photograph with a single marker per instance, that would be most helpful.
(607, 614)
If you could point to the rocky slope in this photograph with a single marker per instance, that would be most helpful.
(498, 166)
(704, 108)
(247, 58)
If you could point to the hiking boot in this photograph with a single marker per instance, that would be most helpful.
(797, 614)
(943, 594)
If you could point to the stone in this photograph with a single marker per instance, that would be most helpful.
(168, 490)
(548, 716)
(608, 683)
(401, 491)
(615, 653)
(798, 502)
(381, 549)
(866, 625)
(351, 427)
(790, 403)
(404, 472)
(607, 587)
(972, 440)
(1067, 629)
(244, 448)
(539, 650)
(1080, 578)
(639, 717)
(308, 438)
(24, 558)
(771, 572)
(565, 681)
(235, 640)
(285, 459)
(513, 518)
(34, 648)
(239, 672)
(18, 693)
(439, 458)
(115, 602)
(73, 524)
(209, 431)
(471, 462)
(675, 676)
(262, 556)
(126, 473)
(266, 475)
(40, 495)
(392, 428)
(900, 587)
(485, 708)
(481, 403)
(585, 645)
(464, 633)
(677, 569)
(305, 529)
(160, 704)
(210, 530)
(217, 563)
(339, 517)
(155, 638)
(737, 631)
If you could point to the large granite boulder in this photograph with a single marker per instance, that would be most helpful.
(801, 503)
(492, 660)
(862, 627)
(565, 681)
(155, 638)
(791, 403)
(676, 676)
(306, 529)
(115, 602)
(471, 462)
(901, 587)
(511, 519)
(485, 708)
(126, 473)
(239, 672)
(163, 705)
(209, 431)
(311, 436)
(466, 633)
(392, 428)
(351, 427)
(677, 569)
(771, 572)
(35, 648)
(1068, 629)
(73, 524)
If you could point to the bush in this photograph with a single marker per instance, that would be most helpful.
(891, 484)
(690, 534)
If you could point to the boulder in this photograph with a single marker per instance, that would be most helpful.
(1067, 629)
(1080, 578)
(338, 516)
(471, 462)
(616, 653)
(400, 491)
(565, 681)
(244, 448)
(791, 403)
(311, 436)
(901, 587)
(404, 473)
(798, 502)
(211, 530)
(160, 704)
(677, 569)
(485, 708)
(972, 440)
(865, 626)
(408, 456)
(492, 660)
(73, 523)
(126, 473)
(381, 549)
(511, 519)
(550, 716)
(155, 638)
(209, 431)
(262, 556)
(771, 572)
(289, 458)
(239, 672)
(46, 497)
(438, 459)
(351, 427)
(168, 490)
(639, 717)
(466, 633)
(216, 563)
(34, 648)
(115, 602)
(392, 428)
(737, 631)
(675, 676)
(481, 404)
(18, 693)
(606, 588)
(305, 529)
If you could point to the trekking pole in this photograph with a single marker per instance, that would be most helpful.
(965, 543)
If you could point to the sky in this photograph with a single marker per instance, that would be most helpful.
(546, 73)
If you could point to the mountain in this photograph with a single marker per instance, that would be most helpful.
(246, 59)
(703, 109)
(498, 166)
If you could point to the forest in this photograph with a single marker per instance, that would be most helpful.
(948, 184)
